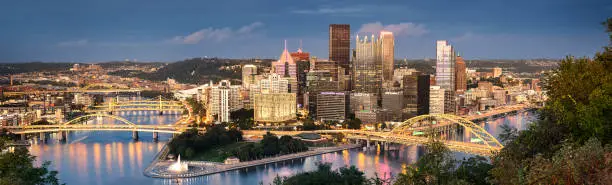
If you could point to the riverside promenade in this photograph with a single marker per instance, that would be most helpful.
(207, 168)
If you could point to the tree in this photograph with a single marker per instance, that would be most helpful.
(573, 164)
(353, 123)
(309, 124)
(577, 112)
(474, 170)
(243, 118)
(434, 167)
(17, 167)
(270, 144)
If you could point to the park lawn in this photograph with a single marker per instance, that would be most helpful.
(218, 154)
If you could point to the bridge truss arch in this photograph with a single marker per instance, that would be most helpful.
(77, 119)
(407, 127)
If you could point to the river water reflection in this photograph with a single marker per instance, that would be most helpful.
(114, 158)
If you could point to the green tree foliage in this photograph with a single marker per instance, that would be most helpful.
(573, 164)
(191, 143)
(437, 166)
(197, 107)
(17, 167)
(195, 70)
(565, 145)
(15, 68)
(270, 145)
(352, 123)
(242, 119)
(325, 175)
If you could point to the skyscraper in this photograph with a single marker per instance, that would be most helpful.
(224, 99)
(445, 75)
(317, 82)
(445, 65)
(340, 44)
(423, 94)
(248, 75)
(286, 67)
(367, 66)
(460, 75)
(387, 54)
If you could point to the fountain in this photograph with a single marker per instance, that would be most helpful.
(178, 167)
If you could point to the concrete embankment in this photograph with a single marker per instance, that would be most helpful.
(212, 168)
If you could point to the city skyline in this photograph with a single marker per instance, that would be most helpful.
(113, 30)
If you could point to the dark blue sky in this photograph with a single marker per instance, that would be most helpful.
(164, 30)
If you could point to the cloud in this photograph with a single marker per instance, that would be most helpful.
(217, 34)
(407, 29)
(326, 10)
(81, 42)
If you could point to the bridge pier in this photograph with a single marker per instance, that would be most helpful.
(61, 136)
(135, 135)
(161, 112)
(23, 137)
(43, 137)
(155, 136)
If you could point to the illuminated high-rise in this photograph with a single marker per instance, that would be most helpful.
(387, 54)
(286, 67)
(445, 65)
(367, 66)
(340, 44)
(445, 74)
(248, 75)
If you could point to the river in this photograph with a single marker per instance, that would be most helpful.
(97, 158)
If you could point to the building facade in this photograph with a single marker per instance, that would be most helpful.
(436, 100)
(317, 82)
(423, 87)
(363, 101)
(331, 106)
(445, 65)
(248, 75)
(340, 44)
(224, 99)
(286, 67)
(274, 107)
(387, 54)
(460, 75)
(392, 101)
(325, 65)
(497, 71)
(367, 66)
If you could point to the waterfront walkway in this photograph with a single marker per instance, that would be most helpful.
(207, 168)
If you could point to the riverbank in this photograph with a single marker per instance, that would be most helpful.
(156, 168)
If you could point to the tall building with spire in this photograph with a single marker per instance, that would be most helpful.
(340, 44)
(367, 65)
(287, 68)
(387, 53)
